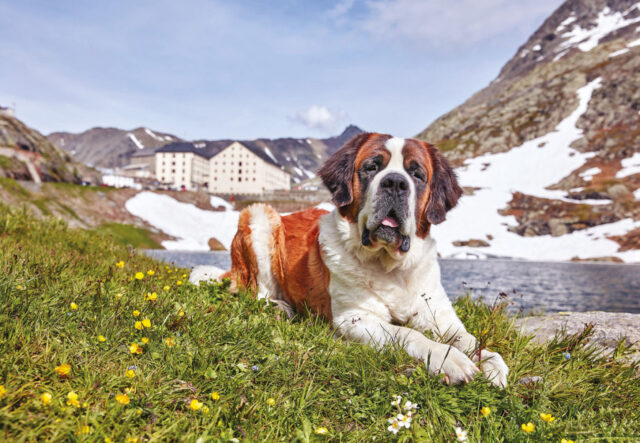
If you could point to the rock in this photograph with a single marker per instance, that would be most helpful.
(215, 245)
(609, 328)
(557, 227)
(618, 191)
(530, 380)
(605, 259)
(472, 243)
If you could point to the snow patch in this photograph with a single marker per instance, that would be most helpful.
(634, 43)
(152, 134)
(537, 48)
(630, 166)
(309, 173)
(590, 173)
(200, 145)
(530, 170)
(620, 52)
(567, 21)
(606, 22)
(192, 226)
(135, 140)
(218, 201)
(636, 194)
(270, 154)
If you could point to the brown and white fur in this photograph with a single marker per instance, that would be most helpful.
(370, 266)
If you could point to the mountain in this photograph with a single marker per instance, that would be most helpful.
(109, 147)
(25, 154)
(549, 152)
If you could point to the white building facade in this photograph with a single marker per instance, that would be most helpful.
(238, 170)
(182, 169)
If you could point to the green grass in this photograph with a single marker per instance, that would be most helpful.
(13, 187)
(249, 353)
(127, 235)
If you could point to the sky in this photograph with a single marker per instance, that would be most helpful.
(211, 69)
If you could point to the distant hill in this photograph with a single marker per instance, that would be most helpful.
(25, 154)
(552, 146)
(111, 147)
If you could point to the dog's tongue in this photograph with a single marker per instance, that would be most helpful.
(391, 222)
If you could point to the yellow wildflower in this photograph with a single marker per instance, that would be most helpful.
(19, 287)
(179, 282)
(85, 405)
(215, 396)
(72, 399)
(101, 338)
(120, 264)
(205, 409)
(135, 349)
(181, 313)
(166, 288)
(139, 275)
(131, 440)
(63, 370)
(528, 427)
(123, 399)
(146, 323)
(151, 272)
(136, 313)
(485, 411)
(169, 342)
(145, 340)
(45, 398)
(195, 404)
(3, 391)
(321, 431)
(118, 296)
(107, 440)
(151, 296)
(73, 306)
(84, 430)
(138, 325)
(564, 440)
(271, 401)
(547, 417)
(130, 373)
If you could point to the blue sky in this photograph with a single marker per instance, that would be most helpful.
(245, 69)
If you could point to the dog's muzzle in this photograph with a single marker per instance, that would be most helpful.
(387, 223)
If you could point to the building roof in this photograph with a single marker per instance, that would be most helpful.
(144, 152)
(252, 146)
(183, 147)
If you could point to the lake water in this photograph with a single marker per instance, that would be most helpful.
(530, 286)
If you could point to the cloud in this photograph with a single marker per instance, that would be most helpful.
(320, 118)
(444, 24)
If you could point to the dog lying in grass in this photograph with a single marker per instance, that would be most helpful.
(370, 266)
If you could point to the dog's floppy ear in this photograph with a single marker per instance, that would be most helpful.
(443, 189)
(337, 172)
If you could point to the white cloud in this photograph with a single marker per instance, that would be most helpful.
(445, 23)
(320, 118)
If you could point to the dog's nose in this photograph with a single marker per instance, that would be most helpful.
(395, 183)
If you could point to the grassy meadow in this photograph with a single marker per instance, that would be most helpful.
(100, 343)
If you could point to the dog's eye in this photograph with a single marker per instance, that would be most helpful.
(418, 174)
(371, 167)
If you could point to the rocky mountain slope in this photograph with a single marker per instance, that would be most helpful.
(552, 145)
(25, 154)
(109, 147)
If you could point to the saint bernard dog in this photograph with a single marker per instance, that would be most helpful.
(370, 266)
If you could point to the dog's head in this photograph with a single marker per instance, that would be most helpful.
(393, 188)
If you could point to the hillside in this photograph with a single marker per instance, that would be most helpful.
(109, 147)
(103, 344)
(551, 148)
(25, 154)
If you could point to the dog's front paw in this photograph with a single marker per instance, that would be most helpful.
(493, 367)
(457, 367)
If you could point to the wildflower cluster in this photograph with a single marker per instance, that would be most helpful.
(404, 416)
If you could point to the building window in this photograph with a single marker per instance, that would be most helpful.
(231, 178)
(173, 171)
(239, 171)
(239, 179)
(254, 179)
(215, 179)
(239, 163)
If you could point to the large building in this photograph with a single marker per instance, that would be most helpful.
(182, 166)
(235, 169)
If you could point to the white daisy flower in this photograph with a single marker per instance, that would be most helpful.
(460, 434)
(396, 400)
(404, 420)
(408, 406)
(394, 426)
